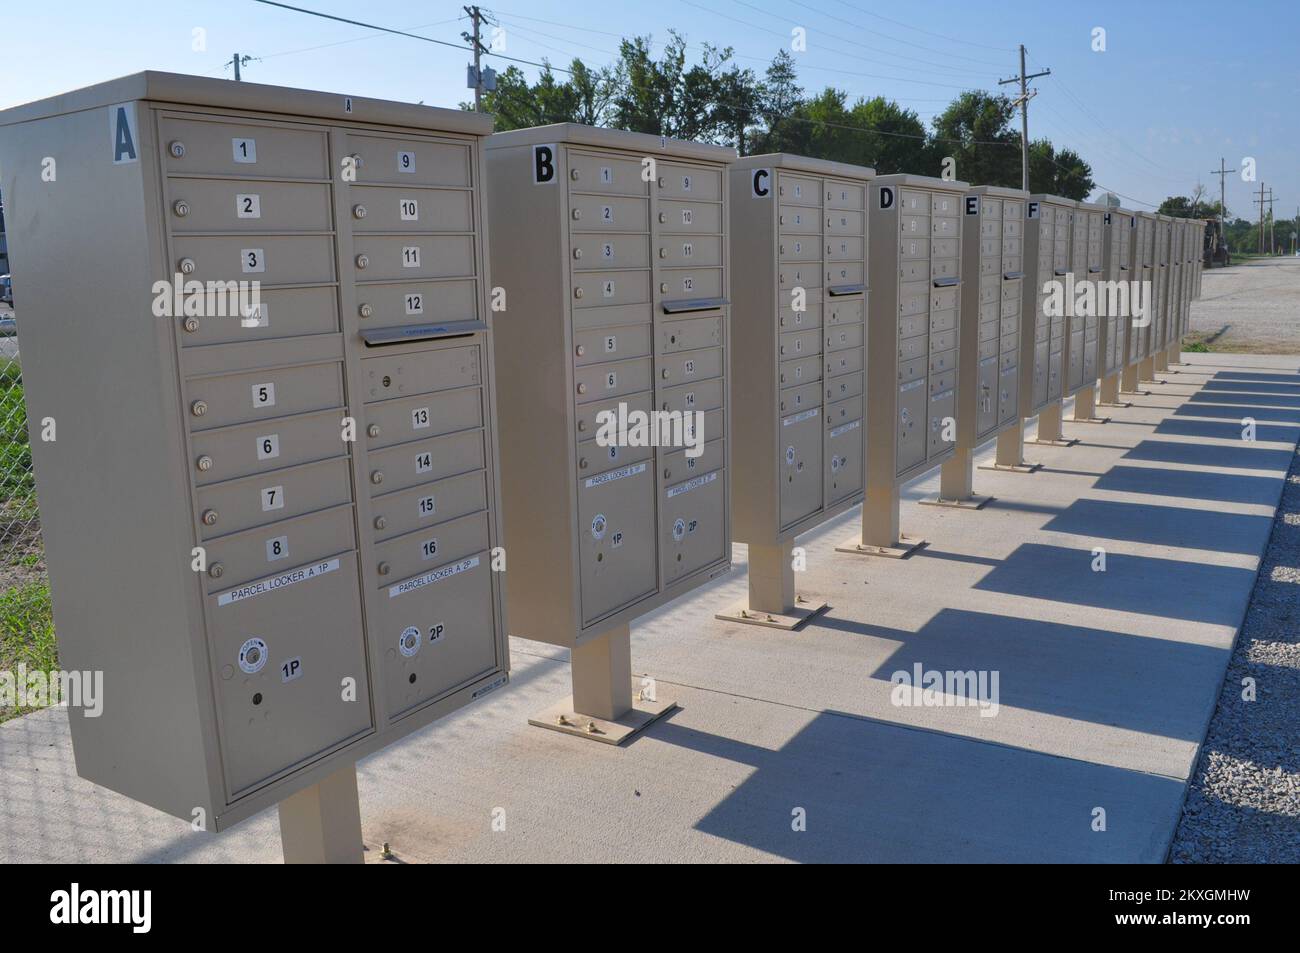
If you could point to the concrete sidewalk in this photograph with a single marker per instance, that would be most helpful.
(1107, 683)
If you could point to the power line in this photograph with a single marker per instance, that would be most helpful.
(1023, 102)
(950, 39)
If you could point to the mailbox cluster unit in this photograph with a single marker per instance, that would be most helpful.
(1142, 272)
(1083, 342)
(988, 402)
(798, 226)
(270, 528)
(1119, 231)
(612, 250)
(914, 271)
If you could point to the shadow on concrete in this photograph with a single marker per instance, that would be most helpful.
(1239, 455)
(1256, 376)
(881, 793)
(1192, 484)
(1246, 400)
(1179, 526)
(1172, 588)
(1281, 414)
(1227, 430)
(1251, 387)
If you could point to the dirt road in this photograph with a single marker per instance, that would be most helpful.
(1253, 307)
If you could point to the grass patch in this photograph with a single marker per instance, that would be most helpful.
(1196, 347)
(26, 633)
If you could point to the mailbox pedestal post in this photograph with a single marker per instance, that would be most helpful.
(773, 601)
(321, 824)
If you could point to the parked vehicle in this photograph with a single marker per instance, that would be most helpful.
(6, 289)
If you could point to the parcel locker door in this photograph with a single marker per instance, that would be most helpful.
(911, 424)
(844, 460)
(616, 538)
(986, 395)
(800, 467)
(281, 648)
(1009, 395)
(693, 532)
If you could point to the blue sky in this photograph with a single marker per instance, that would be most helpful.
(1179, 85)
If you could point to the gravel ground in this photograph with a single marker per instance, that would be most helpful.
(1243, 805)
(1250, 307)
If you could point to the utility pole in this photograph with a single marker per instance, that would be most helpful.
(1261, 201)
(1023, 103)
(237, 61)
(1222, 172)
(475, 40)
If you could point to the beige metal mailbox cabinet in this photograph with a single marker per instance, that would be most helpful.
(269, 526)
(1083, 343)
(610, 250)
(1139, 326)
(1119, 230)
(1161, 293)
(797, 369)
(915, 276)
(988, 361)
(1174, 301)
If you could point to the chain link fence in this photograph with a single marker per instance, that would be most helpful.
(26, 622)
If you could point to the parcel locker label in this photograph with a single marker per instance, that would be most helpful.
(278, 581)
(693, 484)
(436, 575)
(613, 475)
(845, 428)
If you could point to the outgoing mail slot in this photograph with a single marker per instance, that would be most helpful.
(237, 505)
(701, 251)
(412, 257)
(689, 217)
(223, 205)
(410, 464)
(689, 182)
(415, 302)
(600, 381)
(267, 259)
(692, 535)
(611, 344)
(220, 400)
(240, 558)
(246, 449)
(413, 161)
(291, 708)
(429, 547)
(394, 514)
(599, 289)
(244, 150)
(280, 313)
(592, 252)
(608, 213)
(420, 372)
(411, 210)
(688, 366)
(799, 344)
(616, 533)
(436, 632)
(690, 333)
(401, 420)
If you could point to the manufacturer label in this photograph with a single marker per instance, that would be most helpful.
(278, 581)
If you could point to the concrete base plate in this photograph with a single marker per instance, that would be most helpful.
(1155, 380)
(1014, 468)
(1122, 403)
(905, 546)
(563, 718)
(1064, 442)
(789, 621)
(969, 503)
(1089, 420)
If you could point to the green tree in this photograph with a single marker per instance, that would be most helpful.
(1061, 173)
(517, 104)
(667, 97)
(976, 131)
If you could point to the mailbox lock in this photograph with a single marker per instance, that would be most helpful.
(204, 463)
(582, 388)
(577, 253)
(177, 149)
(663, 217)
(582, 463)
(209, 517)
(663, 253)
(663, 288)
(582, 425)
(376, 477)
(181, 207)
(191, 324)
(365, 311)
(359, 211)
(577, 292)
(574, 174)
(363, 261)
(380, 522)
(373, 430)
(216, 570)
(665, 373)
(580, 350)
(187, 266)
(662, 181)
(383, 569)
(199, 408)
(577, 214)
